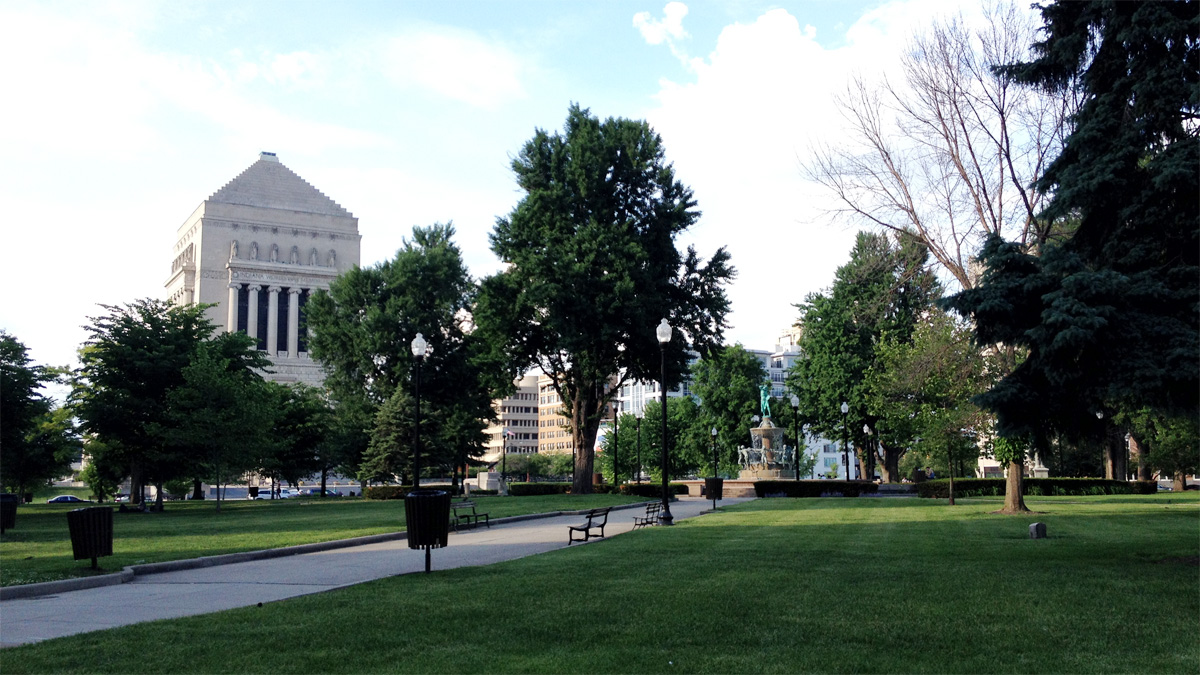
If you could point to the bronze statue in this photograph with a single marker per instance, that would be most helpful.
(764, 400)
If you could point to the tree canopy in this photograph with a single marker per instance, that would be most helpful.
(37, 439)
(362, 328)
(1109, 317)
(592, 267)
(877, 297)
(727, 384)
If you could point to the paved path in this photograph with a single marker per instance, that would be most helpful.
(243, 584)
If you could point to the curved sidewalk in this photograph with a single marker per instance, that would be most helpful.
(173, 594)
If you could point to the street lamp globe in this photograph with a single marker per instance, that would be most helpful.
(845, 407)
(419, 345)
(663, 332)
(795, 401)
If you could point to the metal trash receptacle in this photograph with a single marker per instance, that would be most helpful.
(8, 511)
(91, 532)
(427, 520)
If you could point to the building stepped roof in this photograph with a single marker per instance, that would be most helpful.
(269, 184)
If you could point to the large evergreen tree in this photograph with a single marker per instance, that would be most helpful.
(1109, 318)
(591, 269)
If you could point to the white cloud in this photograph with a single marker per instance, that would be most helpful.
(657, 31)
(669, 29)
(737, 132)
(456, 64)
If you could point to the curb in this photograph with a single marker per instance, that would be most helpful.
(128, 573)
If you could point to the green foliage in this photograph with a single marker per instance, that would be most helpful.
(653, 490)
(1120, 295)
(813, 488)
(727, 384)
(534, 489)
(133, 357)
(387, 491)
(1048, 487)
(219, 420)
(877, 298)
(362, 329)
(929, 381)
(38, 441)
(592, 267)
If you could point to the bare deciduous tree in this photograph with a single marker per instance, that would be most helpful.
(950, 151)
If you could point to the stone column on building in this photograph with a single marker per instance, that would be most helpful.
(232, 308)
(188, 295)
(252, 310)
(273, 319)
(293, 339)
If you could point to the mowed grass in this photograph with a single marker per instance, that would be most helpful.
(39, 547)
(822, 585)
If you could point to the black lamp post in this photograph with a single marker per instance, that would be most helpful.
(714, 437)
(870, 447)
(638, 426)
(419, 347)
(663, 332)
(845, 441)
(616, 471)
(504, 455)
(796, 432)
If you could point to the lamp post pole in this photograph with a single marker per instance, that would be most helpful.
(796, 432)
(870, 448)
(616, 470)
(845, 440)
(663, 332)
(713, 496)
(419, 347)
(638, 426)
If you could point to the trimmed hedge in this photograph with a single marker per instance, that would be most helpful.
(1037, 487)
(532, 489)
(813, 488)
(652, 490)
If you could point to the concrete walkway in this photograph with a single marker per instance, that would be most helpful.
(179, 593)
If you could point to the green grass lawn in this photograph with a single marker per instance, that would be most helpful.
(39, 547)
(799, 585)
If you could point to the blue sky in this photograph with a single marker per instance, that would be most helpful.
(121, 117)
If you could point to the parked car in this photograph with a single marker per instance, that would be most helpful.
(67, 499)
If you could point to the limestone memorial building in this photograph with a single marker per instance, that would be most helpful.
(257, 248)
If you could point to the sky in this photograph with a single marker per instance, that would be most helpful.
(120, 118)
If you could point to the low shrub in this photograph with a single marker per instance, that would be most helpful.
(1036, 487)
(534, 489)
(813, 488)
(386, 491)
(652, 490)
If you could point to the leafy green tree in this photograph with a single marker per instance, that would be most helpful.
(882, 291)
(134, 356)
(38, 441)
(303, 421)
(1119, 295)
(389, 453)
(103, 480)
(687, 438)
(363, 327)
(220, 420)
(592, 267)
(727, 384)
(931, 379)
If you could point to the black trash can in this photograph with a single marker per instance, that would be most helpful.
(427, 519)
(8, 511)
(91, 532)
(715, 488)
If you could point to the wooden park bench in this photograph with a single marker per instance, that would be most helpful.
(596, 520)
(653, 511)
(464, 514)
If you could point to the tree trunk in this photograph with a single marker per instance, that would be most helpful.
(889, 469)
(1141, 452)
(1179, 482)
(866, 458)
(158, 496)
(324, 475)
(136, 484)
(585, 422)
(1014, 499)
(1114, 453)
(197, 489)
